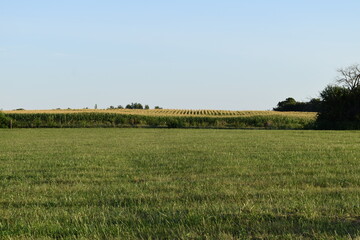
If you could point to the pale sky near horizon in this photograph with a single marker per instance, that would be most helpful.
(235, 55)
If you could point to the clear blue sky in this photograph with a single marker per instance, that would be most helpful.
(193, 54)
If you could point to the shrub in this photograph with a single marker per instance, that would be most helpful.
(4, 121)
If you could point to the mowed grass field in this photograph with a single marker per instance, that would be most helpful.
(179, 184)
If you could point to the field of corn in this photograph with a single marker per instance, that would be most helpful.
(169, 118)
(170, 112)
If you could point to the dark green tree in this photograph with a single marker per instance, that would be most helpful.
(340, 104)
(134, 106)
(4, 121)
(290, 104)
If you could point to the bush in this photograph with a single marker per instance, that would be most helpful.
(4, 121)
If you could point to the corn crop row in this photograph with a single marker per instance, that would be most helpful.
(100, 119)
(176, 112)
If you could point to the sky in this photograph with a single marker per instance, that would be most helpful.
(179, 54)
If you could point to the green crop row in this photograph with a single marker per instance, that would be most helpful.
(88, 120)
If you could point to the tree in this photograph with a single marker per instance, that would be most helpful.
(290, 104)
(134, 106)
(286, 105)
(349, 77)
(340, 104)
(333, 103)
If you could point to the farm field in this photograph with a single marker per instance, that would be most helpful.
(169, 112)
(119, 183)
(160, 118)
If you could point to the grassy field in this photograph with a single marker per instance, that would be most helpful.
(179, 184)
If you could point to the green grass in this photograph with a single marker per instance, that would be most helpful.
(179, 184)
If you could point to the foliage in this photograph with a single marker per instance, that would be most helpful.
(134, 106)
(340, 105)
(4, 121)
(340, 108)
(179, 184)
(290, 104)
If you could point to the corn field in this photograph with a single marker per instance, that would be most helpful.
(173, 112)
(160, 118)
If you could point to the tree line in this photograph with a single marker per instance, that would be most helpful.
(339, 104)
(133, 106)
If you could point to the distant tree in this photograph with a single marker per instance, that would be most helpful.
(146, 107)
(111, 107)
(95, 106)
(290, 104)
(157, 107)
(120, 107)
(286, 105)
(134, 106)
(138, 106)
(340, 104)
